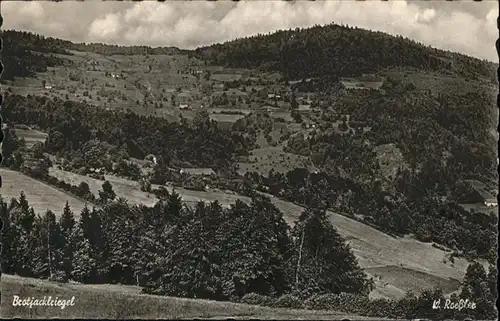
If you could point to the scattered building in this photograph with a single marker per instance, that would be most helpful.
(48, 87)
(218, 86)
(270, 108)
(491, 202)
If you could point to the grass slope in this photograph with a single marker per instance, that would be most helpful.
(40, 196)
(31, 136)
(126, 302)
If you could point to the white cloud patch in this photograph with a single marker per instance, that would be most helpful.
(193, 24)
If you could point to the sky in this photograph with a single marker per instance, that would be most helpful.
(461, 26)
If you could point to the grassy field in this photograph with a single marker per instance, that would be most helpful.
(31, 136)
(131, 190)
(391, 280)
(225, 118)
(39, 195)
(435, 82)
(262, 160)
(125, 302)
(480, 208)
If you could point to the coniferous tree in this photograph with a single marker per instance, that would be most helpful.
(46, 250)
(10, 239)
(476, 287)
(67, 225)
(22, 222)
(119, 231)
(84, 263)
(324, 262)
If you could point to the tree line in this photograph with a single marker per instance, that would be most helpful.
(202, 252)
(71, 127)
(244, 253)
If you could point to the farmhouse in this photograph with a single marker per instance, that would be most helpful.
(481, 193)
(198, 171)
(218, 86)
(274, 96)
(184, 106)
(491, 202)
(48, 87)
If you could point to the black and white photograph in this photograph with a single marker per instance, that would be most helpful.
(293, 160)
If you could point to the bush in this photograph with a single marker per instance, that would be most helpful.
(258, 299)
(59, 277)
(380, 308)
(290, 302)
(328, 301)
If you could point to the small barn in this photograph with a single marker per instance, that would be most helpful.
(482, 194)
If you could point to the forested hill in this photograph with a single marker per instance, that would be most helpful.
(338, 51)
(22, 52)
(36, 42)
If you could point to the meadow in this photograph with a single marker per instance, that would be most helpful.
(126, 302)
(39, 195)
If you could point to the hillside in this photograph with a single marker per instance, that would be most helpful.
(126, 302)
(419, 265)
(368, 138)
(40, 196)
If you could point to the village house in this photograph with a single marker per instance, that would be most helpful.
(218, 86)
(491, 202)
(481, 193)
(274, 96)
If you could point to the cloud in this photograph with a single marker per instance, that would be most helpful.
(192, 24)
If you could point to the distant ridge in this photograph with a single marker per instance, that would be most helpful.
(339, 51)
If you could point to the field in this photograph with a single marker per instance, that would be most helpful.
(148, 85)
(480, 208)
(262, 160)
(435, 82)
(131, 190)
(31, 136)
(125, 302)
(225, 118)
(392, 280)
(39, 195)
